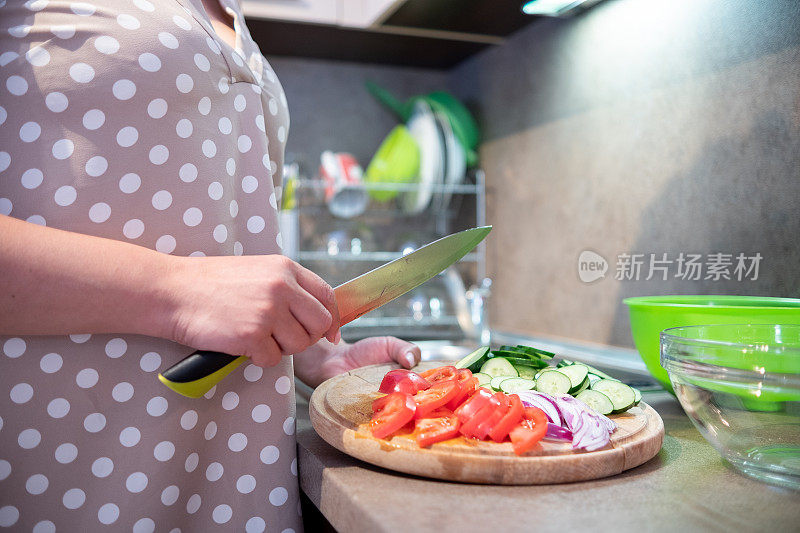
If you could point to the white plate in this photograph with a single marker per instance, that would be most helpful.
(422, 126)
(456, 162)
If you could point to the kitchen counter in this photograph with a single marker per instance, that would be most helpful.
(686, 487)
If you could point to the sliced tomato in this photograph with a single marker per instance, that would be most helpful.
(529, 431)
(473, 404)
(395, 411)
(434, 397)
(439, 425)
(501, 429)
(442, 373)
(470, 426)
(468, 383)
(483, 429)
(401, 380)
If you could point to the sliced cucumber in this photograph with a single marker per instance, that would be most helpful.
(496, 381)
(533, 363)
(576, 374)
(508, 348)
(564, 362)
(474, 360)
(512, 385)
(598, 373)
(499, 366)
(621, 395)
(510, 354)
(527, 372)
(553, 382)
(637, 394)
(597, 401)
(529, 350)
(483, 379)
(583, 387)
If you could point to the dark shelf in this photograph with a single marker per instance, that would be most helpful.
(278, 38)
(498, 18)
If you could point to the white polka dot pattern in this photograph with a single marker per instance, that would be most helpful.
(131, 120)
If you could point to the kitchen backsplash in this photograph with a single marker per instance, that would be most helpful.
(331, 110)
(654, 127)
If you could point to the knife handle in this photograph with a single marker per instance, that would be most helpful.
(198, 372)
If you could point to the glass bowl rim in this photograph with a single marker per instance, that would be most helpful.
(670, 358)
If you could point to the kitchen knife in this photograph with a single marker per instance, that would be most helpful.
(194, 375)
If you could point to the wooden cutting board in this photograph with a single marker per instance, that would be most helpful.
(341, 407)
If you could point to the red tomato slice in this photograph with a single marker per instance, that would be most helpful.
(473, 404)
(513, 417)
(396, 409)
(483, 429)
(442, 373)
(467, 383)
(439, 425)
(401, 380)
(436, 396)
(530, 431)
(470, 426)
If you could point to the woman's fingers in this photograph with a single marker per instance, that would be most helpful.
(306, 309)
(402, 352)
(291, 336)
(323, 292)
(267, 353)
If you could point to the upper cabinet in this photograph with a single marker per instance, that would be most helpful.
(425, 33)
(347, 13)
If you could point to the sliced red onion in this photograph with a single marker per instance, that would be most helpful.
(537, 399)
(556, 432)
(589, 429)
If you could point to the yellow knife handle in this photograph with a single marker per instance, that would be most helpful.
(197, 373)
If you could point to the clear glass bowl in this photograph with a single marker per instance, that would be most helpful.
(740, 386)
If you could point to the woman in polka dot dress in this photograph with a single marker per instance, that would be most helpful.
(129, 128)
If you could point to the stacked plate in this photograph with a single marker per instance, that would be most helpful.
(442, 160)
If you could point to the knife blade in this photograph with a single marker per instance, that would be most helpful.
(197, 373)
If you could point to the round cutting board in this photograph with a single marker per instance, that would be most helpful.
(341, 408)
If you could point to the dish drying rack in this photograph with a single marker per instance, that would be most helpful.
(339, 249)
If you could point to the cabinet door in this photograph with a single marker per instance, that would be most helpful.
(352, 13)
(314, 11)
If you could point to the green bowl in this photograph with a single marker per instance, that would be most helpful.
(650, 315)
(396, 161)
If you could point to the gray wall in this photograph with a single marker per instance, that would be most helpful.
(641, 126)
(331, 110)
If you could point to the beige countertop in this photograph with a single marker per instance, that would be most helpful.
(686, 487)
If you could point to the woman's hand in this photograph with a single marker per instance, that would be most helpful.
(325, 361)
(261, 307)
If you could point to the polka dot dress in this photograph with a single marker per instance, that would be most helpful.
(132, 120)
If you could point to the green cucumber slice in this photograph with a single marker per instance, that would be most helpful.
(583, 387)
(512, 385)
(597, 401)
(527, 372)
(499, 366)
(621, 395)
(533, 363)
(553, 382)
(531, 351)
(637, 394)
(576, 373)
(496, 381)
(483, 379)
(474, 360)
